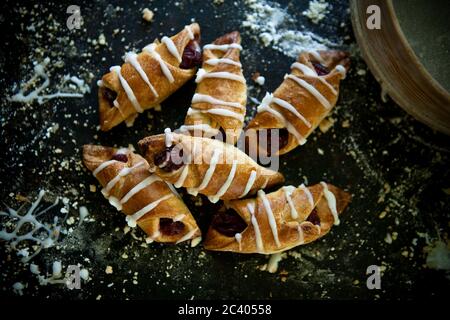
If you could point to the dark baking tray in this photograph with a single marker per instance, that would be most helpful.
(383, 157)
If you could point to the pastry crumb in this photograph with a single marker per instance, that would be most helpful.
(258, 78)
(345, 124)
(326, 124)
(109, 270)
(102, 40)
(316, 11)
(147, 15)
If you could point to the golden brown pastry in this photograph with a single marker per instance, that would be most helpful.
(207, 166)
(147, 201)
(219, 101)
(148, 78)
(277, 221)
(302, 101)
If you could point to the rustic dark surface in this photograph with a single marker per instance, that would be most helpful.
(387, 160)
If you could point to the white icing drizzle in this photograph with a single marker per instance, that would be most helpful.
(238, 238)
(301, 238)
(202, 74)
(251, 180)
(316, 56)
(102, 166)
(216, 61)
(189, 31)
(172, 188)
(209, 173)
(222, 47)
(179, 183)
(291, 108)
(171, 47)
(132, 219)
(270, 216)
(340, 69)
(304, 69)
(258, 237)
(187, 236)
(265, 106)
(196, 241)
(179, 217)
(165, 70)
(288, 190)
(311, 90)
(308, 195)
(198, 98)
(129, 92)
(138, 187)
(131, 58)
(122, 173)
(202, 127)
(311, 72)
(221, 112)
(168, 137)
(223, 189)
(331, 200)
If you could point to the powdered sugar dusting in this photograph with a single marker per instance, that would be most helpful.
(274, 26)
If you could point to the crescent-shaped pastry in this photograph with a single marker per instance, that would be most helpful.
(148, 78)
(302, 101)
(277, 221)
(207, 166)
(147, 201)
(221, 95)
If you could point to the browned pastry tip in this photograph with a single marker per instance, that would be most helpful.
(148, 78)
(150, 146)
(277, 221)
(146, 200)
(331, 58)
(231, 37)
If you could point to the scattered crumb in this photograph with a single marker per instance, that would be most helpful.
(109, 270)
(147, 15)
(102, 40)
(345, 124)
(316, 11)
(382, 215)
(326, 124)
(92, 188)
(260, 80)
(320, 151)
(361, 72)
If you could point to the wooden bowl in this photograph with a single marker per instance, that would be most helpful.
(411, 64)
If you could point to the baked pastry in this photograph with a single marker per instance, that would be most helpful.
(148, 202)
(302, 101)
(277, 221)
(219, 101)
(148, 78)
(207, 166)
